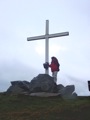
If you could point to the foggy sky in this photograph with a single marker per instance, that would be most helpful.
(23, 60)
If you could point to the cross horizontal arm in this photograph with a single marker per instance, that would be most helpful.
(58, 34)
(48, 36)
(36, 38)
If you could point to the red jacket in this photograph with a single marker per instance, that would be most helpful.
(54, 67)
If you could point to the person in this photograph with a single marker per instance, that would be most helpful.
(54, 68)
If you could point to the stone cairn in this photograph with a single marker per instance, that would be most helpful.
(42, 85)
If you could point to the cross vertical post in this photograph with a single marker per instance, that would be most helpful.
(47, 45)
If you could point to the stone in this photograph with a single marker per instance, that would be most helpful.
(22, 84)
(18, 87)
(59, 87)
(74, 95)
(68, 90)
(43, 83)
(44, 94)
(15, 89)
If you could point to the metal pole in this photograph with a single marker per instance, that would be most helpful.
(47, 45)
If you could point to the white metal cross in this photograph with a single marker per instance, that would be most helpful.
(46, 37)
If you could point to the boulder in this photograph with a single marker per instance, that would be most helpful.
(59, 87)
(22, 84)
(18, 87)
(42, 83)
(68, 90)
(15, 89)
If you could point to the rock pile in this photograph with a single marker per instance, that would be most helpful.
(42, 85)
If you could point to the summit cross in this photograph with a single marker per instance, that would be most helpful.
(46, 37)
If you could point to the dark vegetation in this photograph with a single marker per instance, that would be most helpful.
(23, 107)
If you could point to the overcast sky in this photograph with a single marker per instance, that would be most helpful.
(22, 60)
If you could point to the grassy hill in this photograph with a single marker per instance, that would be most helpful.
(21, 107)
